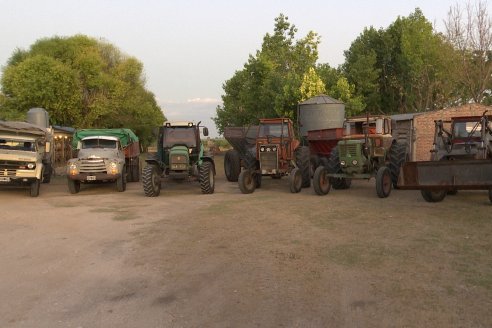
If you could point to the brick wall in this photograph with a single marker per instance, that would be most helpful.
(424, 125)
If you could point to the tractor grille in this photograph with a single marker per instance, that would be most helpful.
(269, 157)
(92, 166)
(179, 159)
(348, 150)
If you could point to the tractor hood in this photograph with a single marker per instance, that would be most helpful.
(179, 150)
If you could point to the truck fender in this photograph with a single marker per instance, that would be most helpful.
(211, 160)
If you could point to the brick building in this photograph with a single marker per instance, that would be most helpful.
(419, 127)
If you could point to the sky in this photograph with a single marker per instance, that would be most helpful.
(189, 48)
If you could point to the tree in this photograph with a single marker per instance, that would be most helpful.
(312, 85)
(269, 85)
(471, 36)
(81, 82)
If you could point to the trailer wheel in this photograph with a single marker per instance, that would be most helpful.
(383, 182)
(73, 186)
(232, 165)
(121, 182)
(303, 163)
(333, 166)
(433, 196)
(246, 182)
(321, 181)
(295, 180)
(207, 178)
(151, 181)
(34, 188)
(397, 156)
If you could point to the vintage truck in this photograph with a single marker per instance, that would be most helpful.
(25, 155)
(104, 155)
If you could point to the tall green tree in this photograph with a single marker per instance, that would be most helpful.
(269, 85)
(82, 82)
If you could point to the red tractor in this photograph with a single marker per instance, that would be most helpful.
(269, 149)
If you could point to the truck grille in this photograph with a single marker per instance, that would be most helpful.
(269, 157)
(92, 166)
(9, 168)
(349, 150)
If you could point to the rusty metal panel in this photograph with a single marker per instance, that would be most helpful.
(473, 174)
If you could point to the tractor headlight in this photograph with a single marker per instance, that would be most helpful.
(274, 149)
(262, 148)
(269, 149)
(343, 163)
(355, 162)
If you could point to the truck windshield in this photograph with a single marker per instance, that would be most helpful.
(179, 136)
(273, 130)
(99, 143)
(16, 144)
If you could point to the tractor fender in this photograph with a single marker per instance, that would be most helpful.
(209, 159)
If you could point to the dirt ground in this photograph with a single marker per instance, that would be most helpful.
(270, 259)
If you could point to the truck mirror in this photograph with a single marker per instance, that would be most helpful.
(47, 147)
(205, 131)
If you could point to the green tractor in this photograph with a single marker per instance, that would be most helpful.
(367, 150)
(180, 155)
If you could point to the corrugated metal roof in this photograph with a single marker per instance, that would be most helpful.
(321, 99)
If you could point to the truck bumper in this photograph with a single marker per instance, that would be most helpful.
(16, 180)
(94, 176)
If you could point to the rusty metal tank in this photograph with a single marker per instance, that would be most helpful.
(320, 112)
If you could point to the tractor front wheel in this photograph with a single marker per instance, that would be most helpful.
(207, 178)
(246, 181)
(433, 196)
(151, 181)
(295, 180)
(321, 181)
(303, 163)
(383, 182)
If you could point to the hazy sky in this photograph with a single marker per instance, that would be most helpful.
(189, 48)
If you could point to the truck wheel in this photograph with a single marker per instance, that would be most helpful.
(321, 181)
(303, 163)
(34, 189)
(246, 182)
(207, 178)
(73, 186)
(383, 182)
(295, 180)
(47, 174)
(151, 181)
(397, 156)
(333, 166)
(232, 165)
(433, 196)
(121, 182)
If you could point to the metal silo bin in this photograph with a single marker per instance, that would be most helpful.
(39, 117)
(320, 112)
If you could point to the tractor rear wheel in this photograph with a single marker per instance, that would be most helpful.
(73, 186)
(207, 178)
(321, 181)
(333, 166)
(232, 165)
(433, 196)
(303, 163)
(383, 182)
(246, 181)
(151, 181)
(295, 180)
(397, 156)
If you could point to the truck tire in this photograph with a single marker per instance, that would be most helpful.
(207, 178)
(321, 181)
(383, 182)
(73, 186)
(151, 181)
(34, 188)
(136, 171)
(48, 171)
(333, 166)
(303, 163)
(246, 182)
(295, 180)
(232, 165)
(397, 156)
(121, 182)
(433, 196)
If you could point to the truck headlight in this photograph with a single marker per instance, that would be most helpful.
(72, 167)
(113, 168)
(31, 166)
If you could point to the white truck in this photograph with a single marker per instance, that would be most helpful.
(25, 155)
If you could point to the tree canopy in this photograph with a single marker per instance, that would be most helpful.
(82, 82)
